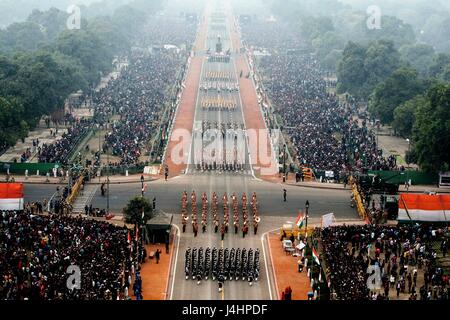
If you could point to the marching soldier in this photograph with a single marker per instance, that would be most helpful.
(255, 225)
(204, 226)
(216, 225)
(244, 229)
(187, 263)
(236, 227)
(185, 219)
(222, 231)
(195, 228)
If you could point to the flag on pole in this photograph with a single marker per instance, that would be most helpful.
(315, 256)
(300, 219)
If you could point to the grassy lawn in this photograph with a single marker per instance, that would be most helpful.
(400, 160)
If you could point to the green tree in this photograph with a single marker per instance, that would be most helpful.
(11, 125)
(380, 61)
(52, 21)
(440, 66)
(331, 60)
(23, 36)
(111, 34)
(401, 86)
(88, 49)
(431, 130)
(404, 116)
(135, 207)
(420, 56)
(314, 27)
(324, 44)
(392, 29)
(351, 72)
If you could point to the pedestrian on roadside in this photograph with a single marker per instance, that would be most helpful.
(157, 255)
(284, 194)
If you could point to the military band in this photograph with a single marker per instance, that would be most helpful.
(224, 225)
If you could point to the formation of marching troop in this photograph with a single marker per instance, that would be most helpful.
(218, 76)
(225, 223)
(219, 86)
(219, 58)
(222, 264)
(212, 165)
(222, 127)
(218, 103)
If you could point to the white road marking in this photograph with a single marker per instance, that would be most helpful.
(265, 262)
(176, 260)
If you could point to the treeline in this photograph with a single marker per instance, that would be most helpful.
(12, 11)
(399, 90)
(328, 25)
(404, 81)
(42, 61)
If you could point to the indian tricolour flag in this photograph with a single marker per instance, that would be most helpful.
(300, 220)
(315, 256)
(11, 196)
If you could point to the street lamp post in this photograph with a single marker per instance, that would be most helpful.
(409, 151)
(142, 186)
(407, 161)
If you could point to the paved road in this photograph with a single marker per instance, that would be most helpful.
(39, 192)
(208, 289)
(270, 195)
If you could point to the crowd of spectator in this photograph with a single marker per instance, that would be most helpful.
(275, 36)
(406, 257)
(59, 151)
(36, 251)
(139, 98)
(324, 131)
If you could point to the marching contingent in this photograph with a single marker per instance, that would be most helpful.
(222, 147)
(222, 264)
(219, 86)
(219, 81)
(218, 104)
(225, 224)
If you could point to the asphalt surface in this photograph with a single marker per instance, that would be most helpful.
(39, 192)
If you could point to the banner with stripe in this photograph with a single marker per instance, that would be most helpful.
(11, 196)
(423, 207)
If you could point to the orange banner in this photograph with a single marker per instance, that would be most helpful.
(424, 202)
(11, 190)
